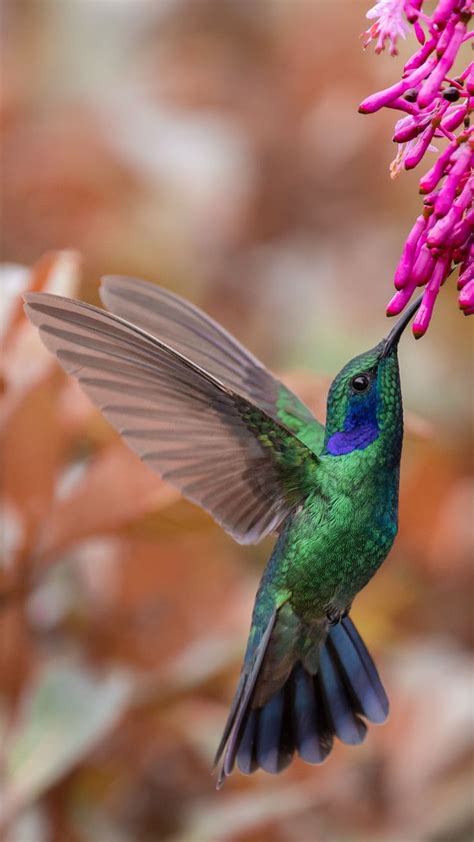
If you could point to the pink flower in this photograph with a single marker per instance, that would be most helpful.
(466, 282)
(389, 26)
(434, 107)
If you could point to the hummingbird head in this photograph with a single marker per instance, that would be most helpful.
(365, 401)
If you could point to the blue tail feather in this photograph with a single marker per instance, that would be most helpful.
(312, 735)
(308, 711)
(359, 671)
(339, 707)
(269, 732)
(246, 757)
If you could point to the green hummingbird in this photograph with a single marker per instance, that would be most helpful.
(203, 412)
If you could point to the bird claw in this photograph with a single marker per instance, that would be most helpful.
(335, 615)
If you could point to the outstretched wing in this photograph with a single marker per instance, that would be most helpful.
(214, 445)
(192, 333)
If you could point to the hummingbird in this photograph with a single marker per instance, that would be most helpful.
(211, 419)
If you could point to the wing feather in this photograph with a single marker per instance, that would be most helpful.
(190, 332)
(212, 443)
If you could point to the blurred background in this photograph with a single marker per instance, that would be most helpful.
(213, 146)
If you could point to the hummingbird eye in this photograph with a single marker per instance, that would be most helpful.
(360, 383)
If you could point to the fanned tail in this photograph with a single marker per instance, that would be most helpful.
(308, 711)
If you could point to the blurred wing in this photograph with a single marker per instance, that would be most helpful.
(217, 448)
(192, 333)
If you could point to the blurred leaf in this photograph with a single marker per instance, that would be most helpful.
(433, 696)
(452, 539)
(30, 824)
(66, 712)
(25, 360)
(55, 272)
(32, 447)
(236, 814)
(113, 489)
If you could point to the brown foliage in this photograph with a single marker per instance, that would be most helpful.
(216, 145)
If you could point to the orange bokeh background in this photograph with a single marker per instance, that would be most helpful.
(215, 147)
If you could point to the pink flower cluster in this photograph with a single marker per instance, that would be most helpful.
(435, 106)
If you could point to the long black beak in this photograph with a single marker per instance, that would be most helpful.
(393, 337)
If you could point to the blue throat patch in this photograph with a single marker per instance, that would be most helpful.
(360, 426)
(357, 439)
